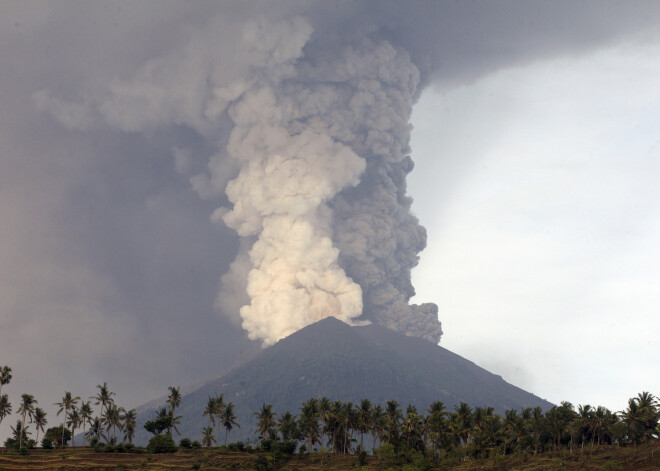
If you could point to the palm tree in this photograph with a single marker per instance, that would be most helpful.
(228, 419)
(103, 397)
(492, 431)
(40, 420)
(27, 408)
(432, 423)
(597, 423)
(5, 377)
(20, 433)
(219, 407)
(96, 429)
(130, 419)
(334, 425)
(308, 422)
(324, 407)
(73, 421)
(112, 418)
(581, 422)
(411, 424)
(86, 413)
(438, 427)
(68, 401)
(464, 421)
(287, 426)
(265, 421)
(376, 423)
(514, 426)
(208, 436)
(5, 407)
(349, 420)
(364, 412)
(174, 399)
(648, 408)
(393, 414)
(210, 409)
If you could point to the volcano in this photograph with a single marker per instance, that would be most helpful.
(332, 359)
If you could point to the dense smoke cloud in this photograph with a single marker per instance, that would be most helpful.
(306, 106)
(335, 130)
(314, 168)
(322, 145)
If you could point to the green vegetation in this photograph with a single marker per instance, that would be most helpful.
(163, 443)
(341, 435)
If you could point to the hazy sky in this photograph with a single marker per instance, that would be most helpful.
(543, 229)
(536, 151)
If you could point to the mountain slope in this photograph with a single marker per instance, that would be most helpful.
(346, 363)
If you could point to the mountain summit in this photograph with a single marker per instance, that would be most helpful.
(330, 358)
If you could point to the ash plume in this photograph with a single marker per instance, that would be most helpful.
(322, 147)
(312, 136)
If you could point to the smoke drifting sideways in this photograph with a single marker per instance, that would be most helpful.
(312, 138)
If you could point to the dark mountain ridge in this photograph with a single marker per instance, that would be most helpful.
(330, 358)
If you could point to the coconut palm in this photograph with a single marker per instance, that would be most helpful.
(68, 402)
(26, 408)
(96, 429)
(228, 419)
(19, 432)
(210, 410)
(40, 420)
(5, 407)
(377, 423)
(287, 426)
(308, 422)
(86, 414)
(393, 414)
(73, 421)
(174, 398)
(112, 418)
(174, 401)
(5, 377)
(208, 436)
(492, 431)
(597, 424)
(266, 422)
(324, 407)
(130, 419)
(103, 397)
(364, 423)
(580, 424)
(464, 422)
(436, 413)
(348, 419)
(649, 412)
(219, 408)
(411, 424)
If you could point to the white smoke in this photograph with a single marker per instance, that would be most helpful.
(314, 167)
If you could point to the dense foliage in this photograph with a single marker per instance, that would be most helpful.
(387, 430)
(161, 444)
(347, 428)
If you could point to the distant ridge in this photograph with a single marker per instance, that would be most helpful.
(330, 358)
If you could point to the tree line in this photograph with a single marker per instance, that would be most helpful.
(344, 427)
(77, 414)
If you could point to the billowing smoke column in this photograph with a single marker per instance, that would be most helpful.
(312, 138)
(322, 145)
